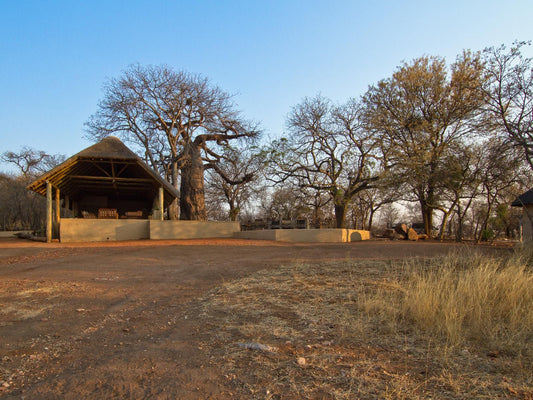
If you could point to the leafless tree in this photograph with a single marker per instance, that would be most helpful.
(28, 161)
(368, 202)
(328, 151)
(178, 120)
(389, 215)
(19, 207)
(287, 204)
(509, 91)
(233, 179)
(503, 177)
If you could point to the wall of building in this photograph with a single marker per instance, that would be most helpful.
(103, 230)
(527, 224)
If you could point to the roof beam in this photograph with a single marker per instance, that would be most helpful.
(110, 179)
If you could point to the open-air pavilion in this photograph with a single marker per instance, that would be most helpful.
(108, 193)
(105, 175)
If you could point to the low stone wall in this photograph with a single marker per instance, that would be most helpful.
(306, 235)
(192, 229)
(356, 235)
(103, 230)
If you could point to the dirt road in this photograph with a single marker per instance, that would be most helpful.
(121, 320)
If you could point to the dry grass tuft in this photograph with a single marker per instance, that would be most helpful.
(472, 298)
(446, 328)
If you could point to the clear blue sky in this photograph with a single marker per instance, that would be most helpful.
(56, 55)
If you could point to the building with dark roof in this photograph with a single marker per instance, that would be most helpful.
(525, 201)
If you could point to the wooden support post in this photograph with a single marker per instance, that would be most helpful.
(48, 212)
(58, 207)
(57, 215)
(161, 203)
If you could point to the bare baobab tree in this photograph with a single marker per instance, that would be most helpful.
(178, 120)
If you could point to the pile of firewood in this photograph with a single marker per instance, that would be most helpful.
(402, 232)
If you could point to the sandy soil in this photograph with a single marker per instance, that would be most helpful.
(121, 320)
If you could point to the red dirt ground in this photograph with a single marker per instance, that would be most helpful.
(120, 320)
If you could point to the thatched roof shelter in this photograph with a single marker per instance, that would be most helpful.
(106, 174)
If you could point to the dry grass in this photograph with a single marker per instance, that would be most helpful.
(468, 298)
(448, 328)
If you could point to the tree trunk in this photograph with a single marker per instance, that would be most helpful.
(485, 222)
(233, 211)
(459, 230)
(371, 218)
(340, 213)
(192, 200)
(427, 217)
(443, 225)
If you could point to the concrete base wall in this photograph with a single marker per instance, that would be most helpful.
(356, 235)
(192, 229)
(306, 235)
(102, 230)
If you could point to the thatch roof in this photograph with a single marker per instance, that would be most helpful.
(523, 199)
(105, 167)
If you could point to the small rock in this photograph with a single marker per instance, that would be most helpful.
(80, 309)
(301, 361)
(6, 385)
(258, 346)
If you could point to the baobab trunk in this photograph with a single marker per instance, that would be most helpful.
(233, 213)
(173, 207)
(192, 200)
